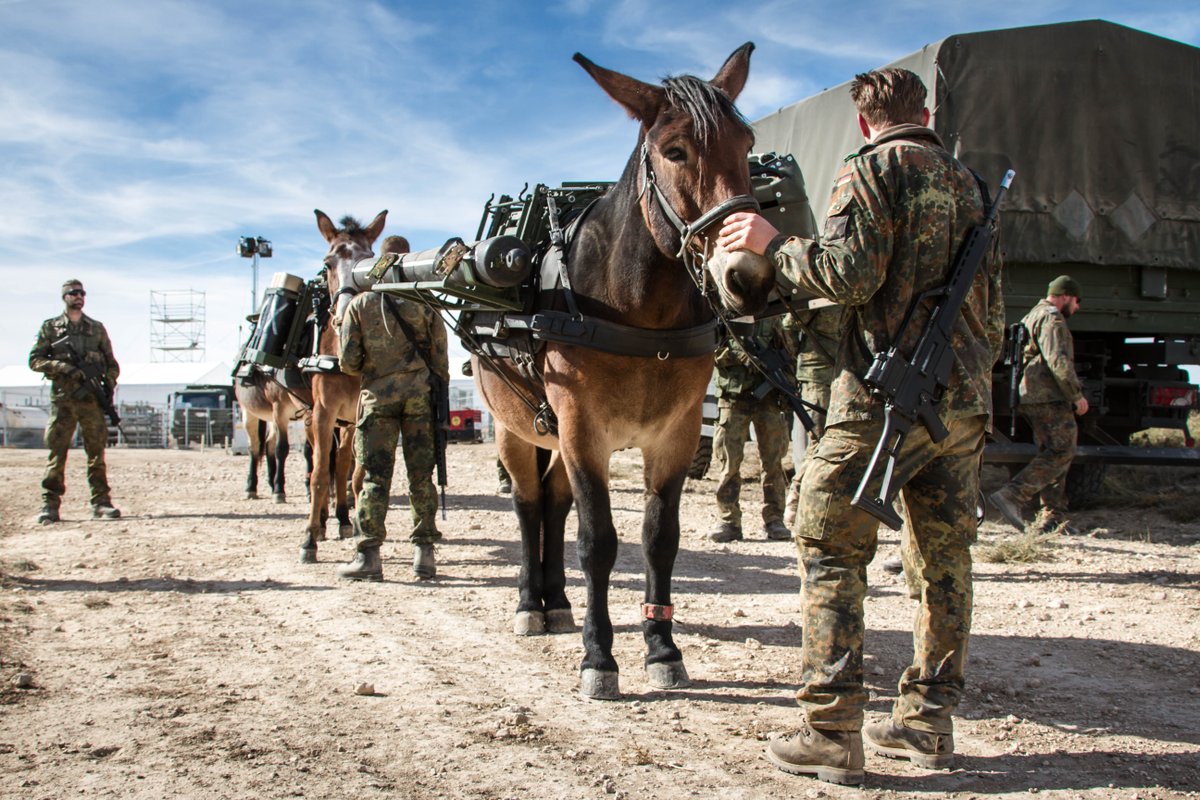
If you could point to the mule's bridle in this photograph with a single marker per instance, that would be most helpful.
(689, 231)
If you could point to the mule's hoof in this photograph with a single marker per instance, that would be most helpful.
(529, 623)
(596, 684)
(251, 495)
(668, 675)
(345, 530)
(319, 536)
(280, 498)
(560, 620)
(308, 555)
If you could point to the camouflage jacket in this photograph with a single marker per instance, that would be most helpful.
(901, 208)
(818, 335)
(1049, 373)
(87, 338)
(735, 378)
(373, 345)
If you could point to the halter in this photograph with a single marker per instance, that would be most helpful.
(689, 231)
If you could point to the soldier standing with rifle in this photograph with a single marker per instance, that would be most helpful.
(901, 211)
(399, 348)
(74, 351)
(1051, 396)
(744, 398)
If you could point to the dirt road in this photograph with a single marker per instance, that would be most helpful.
(183, 651)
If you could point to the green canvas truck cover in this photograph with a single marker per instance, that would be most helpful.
(1101, 123)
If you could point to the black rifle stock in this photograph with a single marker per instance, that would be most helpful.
(94, 382)
(912, 387)
(439, 395)
(1014, 359)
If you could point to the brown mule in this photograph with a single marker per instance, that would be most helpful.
(335, 394)
(629, 263)
(267, 408)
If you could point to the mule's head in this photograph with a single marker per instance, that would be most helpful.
(692, 170)
(348, 245)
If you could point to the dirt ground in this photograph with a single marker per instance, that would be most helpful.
(183, 651)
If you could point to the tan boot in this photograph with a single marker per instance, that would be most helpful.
(830, 756)
(929, 750)
(366, 566)
(424, 564)
(728, 532)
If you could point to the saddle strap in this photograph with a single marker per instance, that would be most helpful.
(625, 340)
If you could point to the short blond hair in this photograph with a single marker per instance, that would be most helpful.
(887, 97)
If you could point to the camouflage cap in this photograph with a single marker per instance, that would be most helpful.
(1065, 284)
(71, 284)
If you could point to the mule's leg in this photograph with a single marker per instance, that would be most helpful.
(556, 504)
(268, 448)
(521, 461)
(308, 467)
(256, 434)
(660, 546)
(586, 462)
(281, 454)
(320, 431)
(344, 462)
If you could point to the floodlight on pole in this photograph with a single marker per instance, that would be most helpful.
(253, 247)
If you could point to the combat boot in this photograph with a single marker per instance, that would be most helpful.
(777, 532)
(830, 756)
(504, 486)
(728, 532)
(47, 516)
(105, 511)
(1056, 523)
(424, 565)
(925, 749)
(366, 566)
(1003, 501)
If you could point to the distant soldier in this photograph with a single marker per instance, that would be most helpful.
(737, 410)
(65, 345)
(388, 341)
(901, 209)
(1050, 391)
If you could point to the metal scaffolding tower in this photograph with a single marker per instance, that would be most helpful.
(177, 325)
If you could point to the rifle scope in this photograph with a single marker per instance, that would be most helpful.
(500, 262)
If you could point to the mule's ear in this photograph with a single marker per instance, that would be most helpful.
(731, 78)
(640, 100)
(325, 225)
(376, 226)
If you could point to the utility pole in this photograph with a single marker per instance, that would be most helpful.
(253, 247)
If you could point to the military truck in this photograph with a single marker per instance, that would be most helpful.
(1100, 124)
(203, 414)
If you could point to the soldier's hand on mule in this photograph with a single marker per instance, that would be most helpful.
(1081, 406)
(746, 231)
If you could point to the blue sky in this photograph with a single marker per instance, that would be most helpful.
(140, 138)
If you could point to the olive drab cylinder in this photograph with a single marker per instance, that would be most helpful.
(500, 263)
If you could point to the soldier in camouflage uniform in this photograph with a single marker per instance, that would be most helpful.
(738, 409)
(901, 209)
(71, 402)
(1050, 391)
(394, 401)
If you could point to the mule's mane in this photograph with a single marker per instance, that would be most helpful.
(351, 226)
(704, 103)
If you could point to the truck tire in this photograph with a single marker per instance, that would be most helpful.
(1084, 482)
(702, 459)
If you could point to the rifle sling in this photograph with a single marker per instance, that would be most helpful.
(427, 357)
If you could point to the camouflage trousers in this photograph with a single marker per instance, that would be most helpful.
(836, 542)
(64, 415)
(375, 437)
(818, 395)
(1055, 433)
(734, 419)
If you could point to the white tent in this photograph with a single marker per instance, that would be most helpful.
(139, 383)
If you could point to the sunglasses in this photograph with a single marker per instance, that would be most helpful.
(75, 293)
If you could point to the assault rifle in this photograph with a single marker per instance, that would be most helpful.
(777, 369)
(439, 396)
(1014, 358)
(94, 382)
(912, 388)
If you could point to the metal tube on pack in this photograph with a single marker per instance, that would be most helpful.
(500, 262)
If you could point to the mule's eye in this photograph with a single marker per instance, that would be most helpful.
(676, 155)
